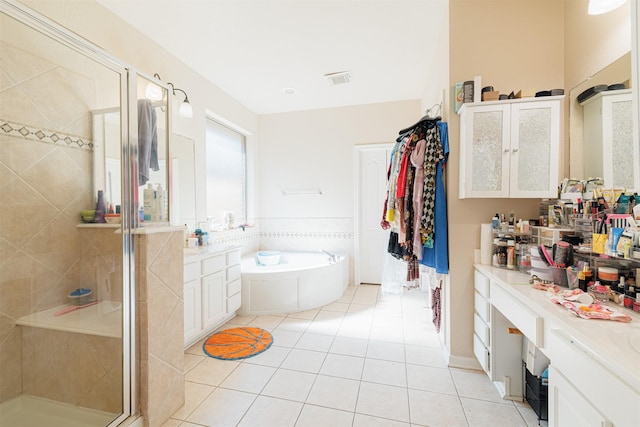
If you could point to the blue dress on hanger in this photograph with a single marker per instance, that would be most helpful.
(438, 256)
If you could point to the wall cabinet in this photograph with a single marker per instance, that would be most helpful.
(511, 148)
(211, 292)
(609, 151)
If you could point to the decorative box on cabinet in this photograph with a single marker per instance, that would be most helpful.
(510, 148)
(608, 132)
(211, 292)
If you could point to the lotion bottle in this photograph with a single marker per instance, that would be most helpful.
(147, 200)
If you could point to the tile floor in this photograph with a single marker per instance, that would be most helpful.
(365, 360)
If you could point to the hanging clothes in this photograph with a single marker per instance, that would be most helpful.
(438, 255)
(433, 154)
(415, 206)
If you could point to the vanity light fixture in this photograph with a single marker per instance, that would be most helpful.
(185, 109)
(153, 91)
(598, 7)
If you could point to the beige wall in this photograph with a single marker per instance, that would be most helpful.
(592, 43)
(502, 41)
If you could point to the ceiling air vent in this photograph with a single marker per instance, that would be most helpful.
(338, 78)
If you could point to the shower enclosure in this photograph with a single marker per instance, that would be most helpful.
(68, 128)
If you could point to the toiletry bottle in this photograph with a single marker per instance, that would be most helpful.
(511, 255)
(495, 222)
(100, 209)
(141, 214)
(147, 199)
(160, 200)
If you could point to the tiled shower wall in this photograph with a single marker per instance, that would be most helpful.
(45, 180)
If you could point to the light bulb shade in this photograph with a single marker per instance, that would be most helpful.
(185, 109)
(153, 92)
(598, 7)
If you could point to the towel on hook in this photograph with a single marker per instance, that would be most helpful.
(147, 140)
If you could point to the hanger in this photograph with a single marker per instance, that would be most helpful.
(431, 115)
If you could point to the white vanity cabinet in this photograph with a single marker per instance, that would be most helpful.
(593, 374)
(576, 386)
(492, 342)
(609, 151)
(511, 148)
(211, 291)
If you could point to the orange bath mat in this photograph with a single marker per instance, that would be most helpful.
(237, 343)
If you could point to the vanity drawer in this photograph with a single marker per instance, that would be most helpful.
(481, 329)
(522, 317)
(233, 272)
(233, 257)
(233, 303)
(481, 283)
(212, 264)
(233, 287)
(482, 307)
(601, 387)
(191, 271)
(481, 353)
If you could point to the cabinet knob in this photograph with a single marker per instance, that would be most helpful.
(515, 150)
(506, 150)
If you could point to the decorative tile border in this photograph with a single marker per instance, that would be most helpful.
(243, 237)
(307, 235)
(18, 130)
(235, 239)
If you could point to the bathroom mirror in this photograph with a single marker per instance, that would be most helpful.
(584, 162)
(183, 181)
(106, 127)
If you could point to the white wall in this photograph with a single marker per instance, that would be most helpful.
(311, 150)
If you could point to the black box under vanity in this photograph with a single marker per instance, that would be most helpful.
(536, 395)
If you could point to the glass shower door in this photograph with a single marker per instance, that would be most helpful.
(64, 276)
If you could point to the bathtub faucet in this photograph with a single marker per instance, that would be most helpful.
(332, 257)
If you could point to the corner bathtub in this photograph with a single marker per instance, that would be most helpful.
(300, 281)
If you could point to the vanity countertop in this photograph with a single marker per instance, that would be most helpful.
(615, 344)
(195, 253)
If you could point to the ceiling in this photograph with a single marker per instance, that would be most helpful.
(253, 49)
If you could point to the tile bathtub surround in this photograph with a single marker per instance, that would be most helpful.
(331, 367)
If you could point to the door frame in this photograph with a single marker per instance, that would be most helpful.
(358, 150)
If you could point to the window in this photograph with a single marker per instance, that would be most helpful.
(226, 173)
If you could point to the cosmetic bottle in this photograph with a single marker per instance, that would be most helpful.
(147, 200)
(100, 209)
(511, 254)
(495, 222)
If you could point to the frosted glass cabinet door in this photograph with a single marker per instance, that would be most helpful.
(535, 140)
(620, 159)
(484, 145)
(510, 148)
